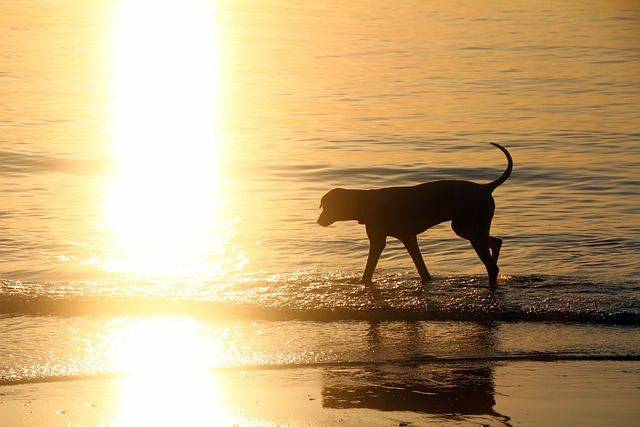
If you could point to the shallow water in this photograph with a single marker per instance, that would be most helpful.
(322, 297)
(157, 204)
(37, 349)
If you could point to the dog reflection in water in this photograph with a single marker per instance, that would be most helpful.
(405, 212)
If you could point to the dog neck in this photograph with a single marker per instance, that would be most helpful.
(361, 206)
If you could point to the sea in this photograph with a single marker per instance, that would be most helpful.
(162, 164)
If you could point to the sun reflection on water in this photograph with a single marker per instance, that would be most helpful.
(167, 383)
(163, 203)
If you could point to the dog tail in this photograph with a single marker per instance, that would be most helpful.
(493, 185)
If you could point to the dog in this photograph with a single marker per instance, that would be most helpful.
(405, 212)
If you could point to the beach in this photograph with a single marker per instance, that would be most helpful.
(526, 394)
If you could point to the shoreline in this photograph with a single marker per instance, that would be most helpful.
(585, 393)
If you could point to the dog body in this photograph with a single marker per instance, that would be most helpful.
(405, 212)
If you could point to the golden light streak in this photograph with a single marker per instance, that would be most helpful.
(165, 89)
(167, 381)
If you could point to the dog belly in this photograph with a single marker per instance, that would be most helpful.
(411, 225)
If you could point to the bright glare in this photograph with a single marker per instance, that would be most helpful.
(167, 382)
(165, 86)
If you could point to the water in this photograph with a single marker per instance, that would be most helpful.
(114, 217)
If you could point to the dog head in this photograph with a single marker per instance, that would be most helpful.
(339, 205)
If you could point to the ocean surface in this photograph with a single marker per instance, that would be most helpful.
(162, 164)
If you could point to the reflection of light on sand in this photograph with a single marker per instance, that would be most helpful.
(162, 208)
(167, 383)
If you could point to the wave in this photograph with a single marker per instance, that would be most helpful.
(318, 297)
(409, 363)
(16, 163)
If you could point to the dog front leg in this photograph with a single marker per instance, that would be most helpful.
(376, 245)
(411, 243)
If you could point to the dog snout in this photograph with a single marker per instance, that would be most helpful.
(324, 221)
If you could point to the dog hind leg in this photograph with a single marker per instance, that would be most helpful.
(495, 244)
(481, 242)
(411, 243)
(481, 246)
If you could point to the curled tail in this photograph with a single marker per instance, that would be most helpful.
(493, 185)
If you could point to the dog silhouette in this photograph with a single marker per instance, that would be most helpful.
(405, 212)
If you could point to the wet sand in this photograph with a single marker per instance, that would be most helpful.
(521, 393)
